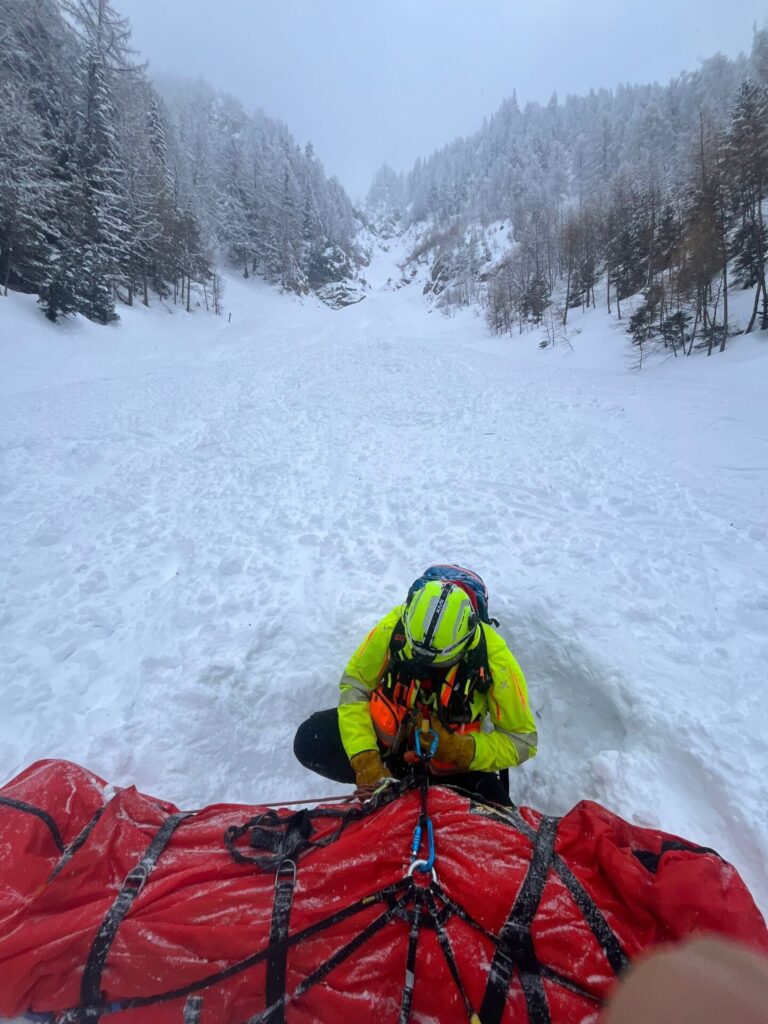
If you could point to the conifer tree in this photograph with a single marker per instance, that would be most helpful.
(27, 194)
(103, 208)
(747, 165)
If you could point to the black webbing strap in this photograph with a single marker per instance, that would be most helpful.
(457, 910)
(337, 959)
(352, 946)
(284, 837)
(77, 843)
(397, 897)
(613, 949)
(44, 816)
(389, 894)
(515, 948)
(450, 959)
(193, 1008)
(90, 986)
(573, 986)
(280, 837)
(277, 961)
(546, 972)
(410, 960)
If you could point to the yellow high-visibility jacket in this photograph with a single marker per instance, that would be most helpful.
(513, 738)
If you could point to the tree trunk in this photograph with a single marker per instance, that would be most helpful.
(567, 294)
(10, 239)
(682, 341)
(189, 290)
(672, 342)
(761, 257)
(725, 306)
(752, 319)
(608, 287)
(708, 325)
(7, 270)
(693, 332)
(651, 246)
(701, 152)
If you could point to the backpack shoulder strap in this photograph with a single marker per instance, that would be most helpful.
(473, 676)
(397, 640)
(478, 665)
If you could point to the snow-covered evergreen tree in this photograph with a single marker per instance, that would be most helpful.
(747, 164)
(27, 193)
(651, 188)
(108, 192)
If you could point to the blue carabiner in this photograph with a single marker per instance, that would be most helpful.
(416, 842)
(418, 832)
(432, 745)
(430, 846)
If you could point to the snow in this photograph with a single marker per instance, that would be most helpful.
(200, 519)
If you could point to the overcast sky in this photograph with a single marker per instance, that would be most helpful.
(368, 81)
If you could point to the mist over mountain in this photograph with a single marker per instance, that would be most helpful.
(654, 191)
(118, 188)
(108, 192)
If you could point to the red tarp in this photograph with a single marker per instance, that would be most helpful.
(106, 896)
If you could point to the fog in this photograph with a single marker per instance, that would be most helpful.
(373, 82)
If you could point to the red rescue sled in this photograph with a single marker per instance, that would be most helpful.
(117, 906)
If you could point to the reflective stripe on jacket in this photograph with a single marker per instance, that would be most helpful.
(513, 738)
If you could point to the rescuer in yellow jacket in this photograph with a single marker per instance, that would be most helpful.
(429, 658)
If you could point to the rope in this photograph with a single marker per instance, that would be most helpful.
(310, 800)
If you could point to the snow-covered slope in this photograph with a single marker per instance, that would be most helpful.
(199, 520)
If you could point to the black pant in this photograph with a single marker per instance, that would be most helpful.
(318, 746)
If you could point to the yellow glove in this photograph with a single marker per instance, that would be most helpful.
(369, 769)
(455, 748)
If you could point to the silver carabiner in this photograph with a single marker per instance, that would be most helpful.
(419, 864)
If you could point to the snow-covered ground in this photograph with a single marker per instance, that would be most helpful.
(200, 519)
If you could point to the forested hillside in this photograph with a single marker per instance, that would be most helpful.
(116, 189)
(109, 194)
(649, 191)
